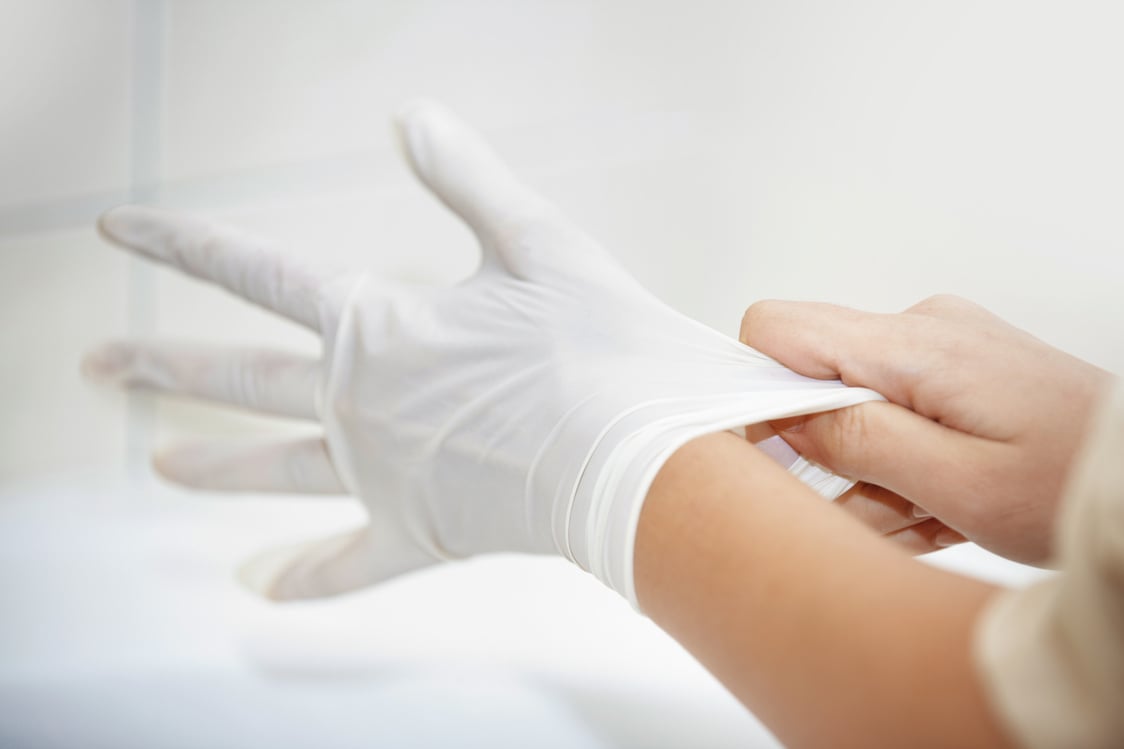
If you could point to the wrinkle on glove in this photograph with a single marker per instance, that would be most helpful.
(527, 408)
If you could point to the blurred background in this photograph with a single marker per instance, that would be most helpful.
(865, 153)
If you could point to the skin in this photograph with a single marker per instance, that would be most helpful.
(894, 517)
(991, 415)
(830, 635)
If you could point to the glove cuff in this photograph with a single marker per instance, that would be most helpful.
(595, 524)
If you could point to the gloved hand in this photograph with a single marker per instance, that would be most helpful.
(527, 408)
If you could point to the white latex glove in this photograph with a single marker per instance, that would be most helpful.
(527, 408)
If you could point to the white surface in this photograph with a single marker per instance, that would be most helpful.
(123, 627)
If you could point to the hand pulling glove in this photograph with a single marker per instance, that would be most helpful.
(527, 408)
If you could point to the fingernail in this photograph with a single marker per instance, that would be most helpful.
(921, 512)
(948, 537)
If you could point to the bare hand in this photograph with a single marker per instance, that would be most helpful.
(982, 423)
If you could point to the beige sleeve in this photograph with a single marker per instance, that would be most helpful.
(1052, 655)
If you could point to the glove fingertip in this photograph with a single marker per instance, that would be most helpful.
(314, 569)
(109, 221)
(105, 363)
(408, 128)
(264, 574)
(124, 224)
(184, 464)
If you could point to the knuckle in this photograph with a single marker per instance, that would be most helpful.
(945, 299)
(951, 307)
(756, 316)
(842, 439)
(938, 303)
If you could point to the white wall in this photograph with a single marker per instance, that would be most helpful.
(868, 153)
(865, 153)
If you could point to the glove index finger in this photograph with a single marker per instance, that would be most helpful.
(244, 265)
(886, 353)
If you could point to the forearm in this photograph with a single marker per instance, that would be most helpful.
(830, 635)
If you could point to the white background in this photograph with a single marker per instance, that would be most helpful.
(867, 153)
